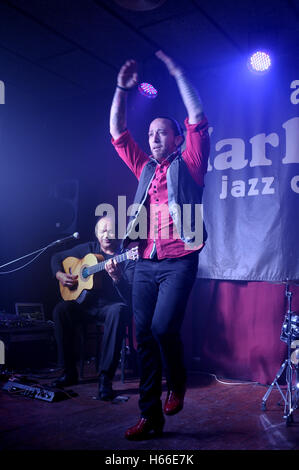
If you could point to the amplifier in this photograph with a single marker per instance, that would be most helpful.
(17, 335)
(28, 346)
(29, 391)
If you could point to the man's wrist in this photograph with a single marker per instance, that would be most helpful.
(123, 88)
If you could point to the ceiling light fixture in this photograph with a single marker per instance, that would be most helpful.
(259, 62)
(146, 89)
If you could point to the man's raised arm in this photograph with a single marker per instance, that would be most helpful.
(188, 93)
(126, 80)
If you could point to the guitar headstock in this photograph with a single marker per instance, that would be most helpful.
(133, 253)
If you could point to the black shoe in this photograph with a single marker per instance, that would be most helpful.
(65, 380)
(105, 388)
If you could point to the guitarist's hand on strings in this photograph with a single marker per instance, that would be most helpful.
(114, 270)
(69, 280)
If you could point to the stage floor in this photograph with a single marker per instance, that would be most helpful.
(216, 416)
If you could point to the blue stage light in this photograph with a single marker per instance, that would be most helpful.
(146, 89)
(259, 62)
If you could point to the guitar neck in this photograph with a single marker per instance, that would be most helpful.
(101, 265)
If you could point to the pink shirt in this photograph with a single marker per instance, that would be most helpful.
(162, 237)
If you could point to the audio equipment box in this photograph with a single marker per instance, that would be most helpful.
(33, 391)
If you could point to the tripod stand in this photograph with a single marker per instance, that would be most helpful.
(290, 334)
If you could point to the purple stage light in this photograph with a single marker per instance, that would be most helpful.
(259, 62)
(146, 89)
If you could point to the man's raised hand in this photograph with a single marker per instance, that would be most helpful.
(172, 67)
(127, 76)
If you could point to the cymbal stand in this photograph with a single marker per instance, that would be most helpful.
(290, 398)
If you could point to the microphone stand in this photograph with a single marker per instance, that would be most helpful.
(36, 252)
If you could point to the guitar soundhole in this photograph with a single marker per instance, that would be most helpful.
(84, 273)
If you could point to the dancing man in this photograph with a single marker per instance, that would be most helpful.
(169, 181)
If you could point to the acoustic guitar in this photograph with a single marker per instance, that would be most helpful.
(85, 269)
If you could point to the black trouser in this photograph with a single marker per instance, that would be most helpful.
(69, 315)
(160, 294)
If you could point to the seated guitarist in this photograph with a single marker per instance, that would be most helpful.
(110, 304)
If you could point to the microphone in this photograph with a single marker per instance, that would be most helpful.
(63, 240)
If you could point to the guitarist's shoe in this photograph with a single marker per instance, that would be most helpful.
(105, 388)
(65, 380)
(143, 428)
